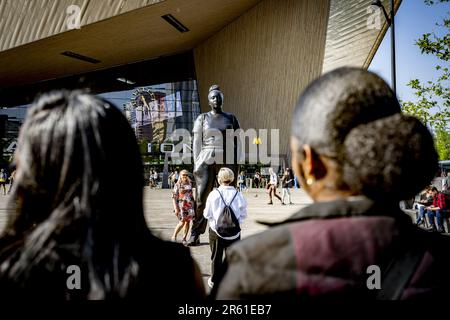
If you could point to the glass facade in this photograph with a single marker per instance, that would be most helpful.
(155, 111)
(157, 97)
(11, 120)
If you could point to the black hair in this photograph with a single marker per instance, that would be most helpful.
(351, 116)
(389, 159)
(337, 102)
(214, 87)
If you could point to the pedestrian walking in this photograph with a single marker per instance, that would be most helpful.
(3, 179)
(272, 186)
(183, 203)
(241, 182)
(220, 236)
(286, 184)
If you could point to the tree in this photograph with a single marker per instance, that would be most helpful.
(433, 101)
(143, 144)
(442, 139)
(433, 97)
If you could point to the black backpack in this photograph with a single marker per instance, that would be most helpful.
(227, 225)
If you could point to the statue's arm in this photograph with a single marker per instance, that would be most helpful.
(236, 124)
(197, 133)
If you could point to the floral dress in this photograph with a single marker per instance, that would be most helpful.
(183, 194)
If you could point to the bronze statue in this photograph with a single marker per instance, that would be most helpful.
(209, 147)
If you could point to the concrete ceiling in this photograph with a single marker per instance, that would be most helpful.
(136, 35)
(26, 21)
(351, 40)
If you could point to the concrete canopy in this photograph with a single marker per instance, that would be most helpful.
(34, 33)
(106, 34)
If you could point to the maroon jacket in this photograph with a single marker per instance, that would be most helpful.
(440, 201)
(323, 252)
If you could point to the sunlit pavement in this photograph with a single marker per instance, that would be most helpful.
(162, 221)
(3, 212)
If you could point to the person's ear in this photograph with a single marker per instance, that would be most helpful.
(309, 164)
(313, 166)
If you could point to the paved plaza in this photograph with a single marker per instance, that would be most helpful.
(162, 221)
(3, 212)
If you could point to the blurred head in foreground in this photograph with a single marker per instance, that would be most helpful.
(78, 200)
(349, 138)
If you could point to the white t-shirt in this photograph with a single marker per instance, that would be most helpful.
(273, 178)
(445, 183)
(214, 207)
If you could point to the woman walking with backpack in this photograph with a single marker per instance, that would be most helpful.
(225, 210)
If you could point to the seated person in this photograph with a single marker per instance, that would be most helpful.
(425, 199)
(437, 209)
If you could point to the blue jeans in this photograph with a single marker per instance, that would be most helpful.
(421, 213)
(439, 217)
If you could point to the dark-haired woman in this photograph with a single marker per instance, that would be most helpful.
(73, 233)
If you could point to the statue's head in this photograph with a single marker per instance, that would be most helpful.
(215, 98)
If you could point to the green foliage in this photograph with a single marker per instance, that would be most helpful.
(433, 97)
(442, 143)
(433, 101)
(143, 146)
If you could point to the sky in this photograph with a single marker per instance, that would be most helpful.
(413, 19)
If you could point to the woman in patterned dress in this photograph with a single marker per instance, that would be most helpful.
(183, 203)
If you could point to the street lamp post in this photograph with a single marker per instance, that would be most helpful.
(390, 20)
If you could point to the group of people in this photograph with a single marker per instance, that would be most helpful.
(153, 179)
(354, 153)
(434, 204)
(287, 182)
